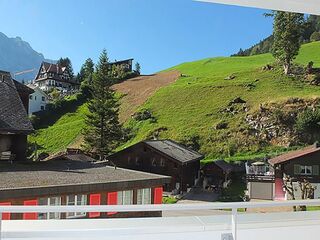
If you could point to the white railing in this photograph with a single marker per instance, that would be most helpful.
(234, 206)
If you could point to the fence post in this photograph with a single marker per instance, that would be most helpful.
(0, 225)
(234, 223)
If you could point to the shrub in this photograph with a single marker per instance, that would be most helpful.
(308, 121)
(315, 37)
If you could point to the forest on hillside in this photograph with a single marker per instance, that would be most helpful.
(310, 32)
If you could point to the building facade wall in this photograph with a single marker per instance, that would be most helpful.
(90, 198)
(143, 158)
(37, 102)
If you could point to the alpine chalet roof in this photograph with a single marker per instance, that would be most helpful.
(13, 116)
(174, 150)
(294, 154)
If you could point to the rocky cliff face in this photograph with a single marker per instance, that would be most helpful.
(275, 122)
(17, 55)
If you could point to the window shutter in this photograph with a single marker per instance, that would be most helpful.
(95, 199)
(158, 195)
(315, 170)
(5, 216)
(112, 200)
(297, 169)
(30, 216)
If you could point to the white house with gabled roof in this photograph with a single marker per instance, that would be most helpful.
(37, 100)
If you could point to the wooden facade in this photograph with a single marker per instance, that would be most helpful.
(143, 157)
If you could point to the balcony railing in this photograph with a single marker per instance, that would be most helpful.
(232, 225)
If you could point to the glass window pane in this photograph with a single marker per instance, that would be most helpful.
(119, 200)
(139, 196)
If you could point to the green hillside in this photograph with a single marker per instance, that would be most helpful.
(190, 108)
(62, 133)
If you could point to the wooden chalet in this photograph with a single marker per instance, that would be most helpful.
(14, 122)
(302, 164)
(125, 64)
(52, 76)
(164, 157)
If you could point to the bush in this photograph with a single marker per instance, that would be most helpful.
(315, 37)
(169, 200)
(308, 121)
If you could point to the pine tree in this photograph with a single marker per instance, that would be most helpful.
(287, 29)
(103, 132)
(137, 68)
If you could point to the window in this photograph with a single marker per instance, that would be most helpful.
(144, 196)
(35, 98)
(30, 97)
(125, 197)
(137, 161)
(154, 162)
(76, 200)
(43, 99)
(306, 170)
(42, 108)
(162, 162)
(51, 201)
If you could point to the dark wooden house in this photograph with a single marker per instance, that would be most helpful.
(217, 173)
(164, 157)
(303, 164)
(14, 122)
(267, 181)
(125, 64)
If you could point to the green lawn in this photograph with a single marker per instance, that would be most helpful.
(62, 133)
(191, 106)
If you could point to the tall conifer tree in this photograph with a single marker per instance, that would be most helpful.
(103, 132)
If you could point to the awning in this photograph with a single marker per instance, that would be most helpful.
(300, 6)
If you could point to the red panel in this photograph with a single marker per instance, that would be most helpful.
(158, 195)
(279, 193)
(5, 216)
(112, 200)
(30, 216)
(95, 199)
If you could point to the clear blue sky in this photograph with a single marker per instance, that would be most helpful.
(156, 33)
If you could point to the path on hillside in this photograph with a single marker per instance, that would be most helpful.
(137, 90)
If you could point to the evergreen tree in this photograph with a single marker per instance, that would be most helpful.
(66, 62)
(103, 132)
(286, 32)
(137, 68)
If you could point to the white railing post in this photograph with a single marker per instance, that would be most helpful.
(234, 222)
(0, 224)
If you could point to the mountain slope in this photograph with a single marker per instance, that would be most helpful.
(190, 109)
(17, 55)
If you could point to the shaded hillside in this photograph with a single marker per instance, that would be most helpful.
(202, 108)
(17, 55)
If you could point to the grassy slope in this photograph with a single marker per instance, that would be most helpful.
(191, 105)
(62, 133)
(183, 106)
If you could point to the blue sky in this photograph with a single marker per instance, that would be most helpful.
(156, 33)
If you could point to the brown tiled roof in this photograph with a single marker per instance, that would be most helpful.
(13, 116)
(294, 154)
